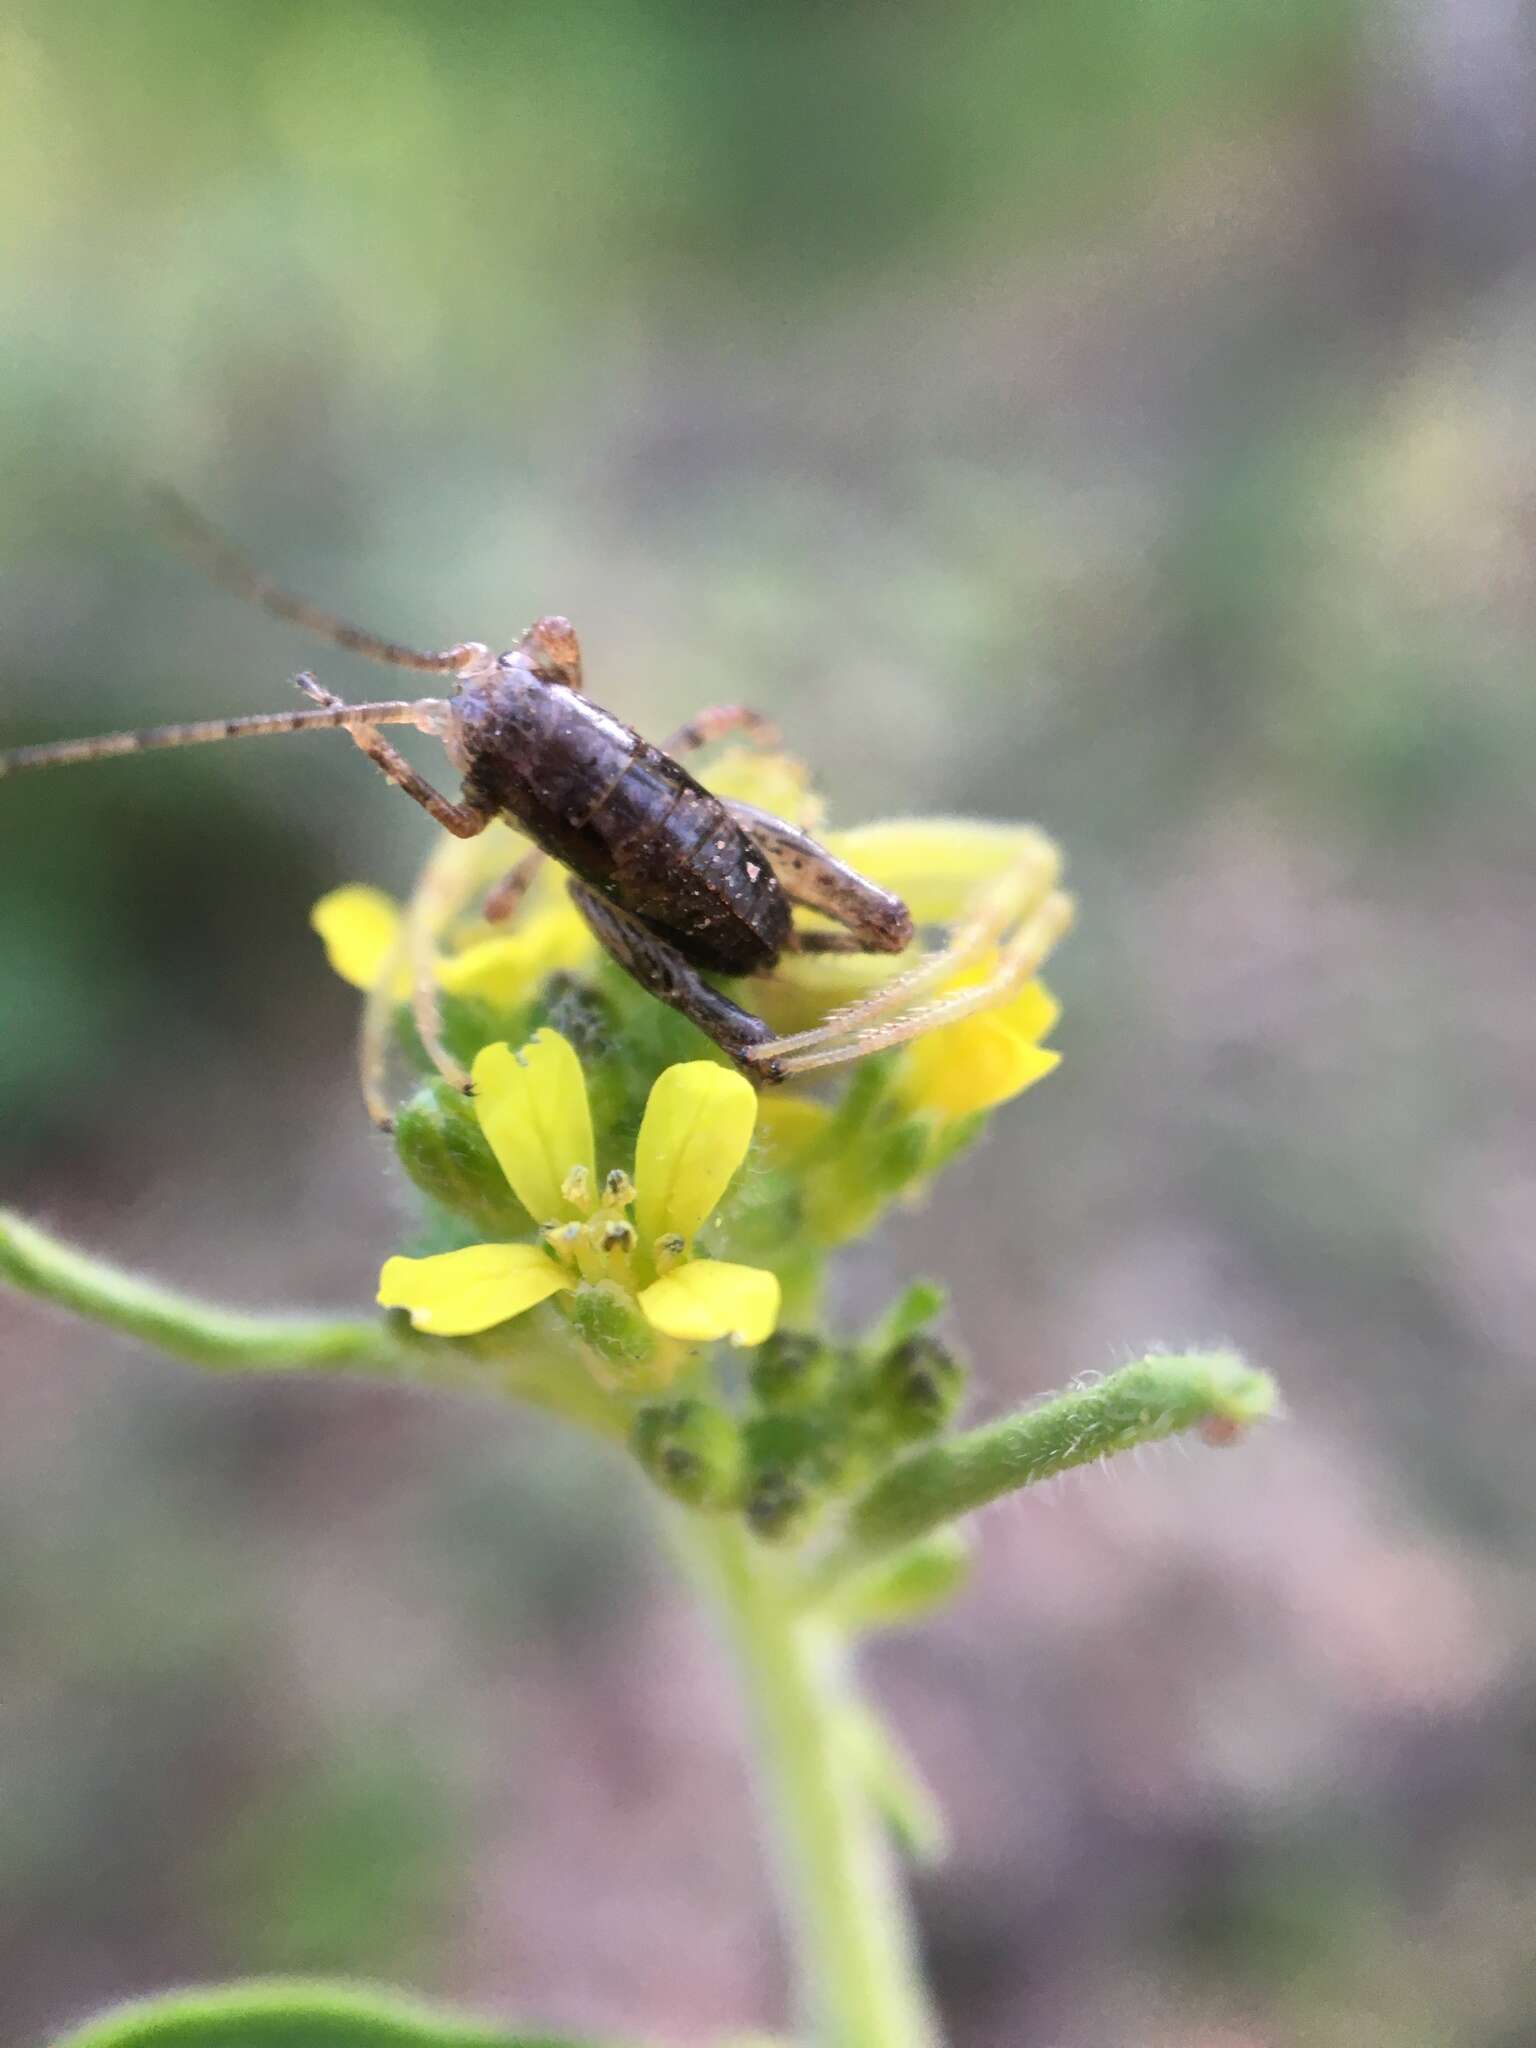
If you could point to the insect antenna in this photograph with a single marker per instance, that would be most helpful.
(226, 565)
(422, 713)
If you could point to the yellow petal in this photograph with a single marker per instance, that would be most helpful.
(458, 1294)
(694, 1134)
(788, 1125)
(359, 927)
(490, 971)
(806, 985)
(972, 1065)
(708, 1298)
(936, 865)
(1033, 1013)
(532, 1107)
(504, 970)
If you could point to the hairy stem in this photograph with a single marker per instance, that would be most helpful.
(1157, 1397)
(857, 1980)
(41, 1265)
(542, 1365)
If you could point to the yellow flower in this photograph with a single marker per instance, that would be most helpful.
(532, 1106)
(360, 929)
(983, 1060)
(949, 872)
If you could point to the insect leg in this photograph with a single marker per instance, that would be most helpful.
(509, 892)
(464, 821)
(1014, 896)
(449, 878)
(373, 1034)
(873, 920)
(716, 723)
(446, 884)
(1019, 959)
(663, 972)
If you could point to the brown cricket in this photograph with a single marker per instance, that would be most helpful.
(674, 882)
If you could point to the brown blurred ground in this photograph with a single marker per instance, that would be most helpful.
(1117, 416)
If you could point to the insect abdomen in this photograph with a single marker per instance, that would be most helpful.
(683, 864)
(626, 818)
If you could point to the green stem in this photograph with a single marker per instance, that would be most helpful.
(856, 1972)
(178, 1323)
(1154, 1398)
(546, 1367)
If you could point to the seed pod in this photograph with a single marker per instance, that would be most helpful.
(443, 1149)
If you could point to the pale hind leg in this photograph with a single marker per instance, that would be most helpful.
(1020, 913)
(875, 1025)
(1011, 898)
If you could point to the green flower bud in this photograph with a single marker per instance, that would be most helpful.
(692, 1450)
(795, 1462)
(570, 1006)
(901, 1154)
(443, 1149)
(916, 1388)
(777, 1506)
(814, 1447)
(954, 1138)
(607, 1321)
(792, 1370)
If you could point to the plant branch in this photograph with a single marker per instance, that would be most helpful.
(1154, 1398)
(42, 1265)
(857, 1979)
(542, 1364)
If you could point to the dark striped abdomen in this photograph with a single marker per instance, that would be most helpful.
(626, 818)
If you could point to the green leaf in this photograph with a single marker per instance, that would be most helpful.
(923, 1302)
(905, 1586)
(904, 1798)
(283, 2014)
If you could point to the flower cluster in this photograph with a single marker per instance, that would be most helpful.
(609, 1170)
(534, 1111)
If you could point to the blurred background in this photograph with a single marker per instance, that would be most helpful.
(1119, 415)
